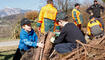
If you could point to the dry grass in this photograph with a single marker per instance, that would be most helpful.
(8, 48)
(7, 53)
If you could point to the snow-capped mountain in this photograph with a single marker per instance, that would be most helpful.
(11, 11)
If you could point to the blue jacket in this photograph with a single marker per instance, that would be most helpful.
(27, 40)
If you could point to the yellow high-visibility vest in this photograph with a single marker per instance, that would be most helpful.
(77, 16)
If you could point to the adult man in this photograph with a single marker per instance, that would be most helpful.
(77, 16)
(66, 41)
(47, 17)
(96, 11)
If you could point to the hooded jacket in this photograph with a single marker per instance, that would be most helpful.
(27, 40)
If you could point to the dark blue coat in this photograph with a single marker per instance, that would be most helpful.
(66, 41)
(69, 34)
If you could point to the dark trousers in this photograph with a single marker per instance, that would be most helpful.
(18, 54)
(65, 47)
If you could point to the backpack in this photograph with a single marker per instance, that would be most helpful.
(96, 29)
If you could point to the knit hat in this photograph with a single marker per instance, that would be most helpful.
(61, 16)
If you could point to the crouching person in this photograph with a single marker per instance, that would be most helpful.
(66, 41)
(28, 39)
(94, 29)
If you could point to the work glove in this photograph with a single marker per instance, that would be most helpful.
(52, 39)
(86, 37)
(40, 45)
(87, 33)
(57, 34)
(91, 14)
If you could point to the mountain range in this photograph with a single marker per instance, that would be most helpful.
(11, 11)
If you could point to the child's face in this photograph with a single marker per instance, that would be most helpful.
(27, 27)
(78, 7)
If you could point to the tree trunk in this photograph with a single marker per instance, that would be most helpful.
(48, 47)
(38, 50)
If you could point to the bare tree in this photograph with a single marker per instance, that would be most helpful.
(64, 5)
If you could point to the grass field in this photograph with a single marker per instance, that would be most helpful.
(7, 53)
(6, 39)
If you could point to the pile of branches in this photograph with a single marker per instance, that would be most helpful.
(94, 50)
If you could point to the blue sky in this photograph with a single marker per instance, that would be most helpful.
(24, 4)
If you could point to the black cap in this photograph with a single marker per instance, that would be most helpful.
(77, 4)
(49, 1)
(95, 0)
(61, 16)
(25, 21)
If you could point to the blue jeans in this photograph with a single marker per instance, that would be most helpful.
(65, 47)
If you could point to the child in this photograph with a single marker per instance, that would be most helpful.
(28, 39)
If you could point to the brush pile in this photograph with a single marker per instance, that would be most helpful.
(94, 50)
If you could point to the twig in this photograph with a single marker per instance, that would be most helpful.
(72, 53)
(52, 54)
(101, 40)
(86, 53)
(41, 54)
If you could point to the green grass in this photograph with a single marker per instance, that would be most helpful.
(4, 39)
(7, 55)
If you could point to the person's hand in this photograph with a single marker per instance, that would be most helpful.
(57, 33)
(91, 14)
(40, 45)
(86, 37)
(87, 33)
(52, 39)
(101, 13)
(39, 30)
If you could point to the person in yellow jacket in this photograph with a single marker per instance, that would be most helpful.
(47, 17)
(77, 16)
(94, 28)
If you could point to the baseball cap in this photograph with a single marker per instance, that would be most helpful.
(61, 16)
(25, 21)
